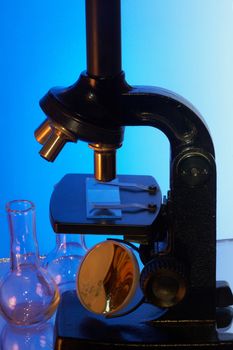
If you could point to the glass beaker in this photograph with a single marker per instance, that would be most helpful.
(28, 295)
(63, 261)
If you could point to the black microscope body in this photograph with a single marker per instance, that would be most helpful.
(96, 109)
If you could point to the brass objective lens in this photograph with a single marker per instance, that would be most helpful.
(104, 161)
(53, 146)
(53, 137)
(43, 132)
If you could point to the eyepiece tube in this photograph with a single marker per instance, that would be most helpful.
(103, 33)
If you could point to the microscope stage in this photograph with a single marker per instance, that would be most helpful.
(68, 207)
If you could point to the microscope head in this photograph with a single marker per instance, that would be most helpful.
(86, 110)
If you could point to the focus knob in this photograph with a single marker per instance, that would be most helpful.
(163, 282)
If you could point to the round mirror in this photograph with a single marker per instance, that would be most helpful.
(107, 278)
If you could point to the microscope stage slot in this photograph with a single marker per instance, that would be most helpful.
(68, 207)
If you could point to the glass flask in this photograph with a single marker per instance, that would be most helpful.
(38, 337)
(63, 261)
(28, 295)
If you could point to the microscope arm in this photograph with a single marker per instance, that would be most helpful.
(169, 112)
(192, 195)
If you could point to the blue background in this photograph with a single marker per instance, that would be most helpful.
(182, 45)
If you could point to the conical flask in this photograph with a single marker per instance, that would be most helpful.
(28, 295)
(63, 261)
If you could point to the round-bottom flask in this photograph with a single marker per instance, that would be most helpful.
(63, 261)
(38, 337)
(28, 295)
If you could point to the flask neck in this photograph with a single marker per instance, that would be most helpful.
(70, 242)
(22, 224)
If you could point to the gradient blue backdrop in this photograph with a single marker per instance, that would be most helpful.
(182, 45)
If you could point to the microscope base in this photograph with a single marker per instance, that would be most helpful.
(79, 329)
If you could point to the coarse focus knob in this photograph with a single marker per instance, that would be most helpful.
(163, 282)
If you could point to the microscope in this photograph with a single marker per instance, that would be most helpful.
(96, 109)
